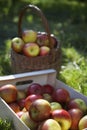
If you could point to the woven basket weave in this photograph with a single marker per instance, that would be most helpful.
(21, 63)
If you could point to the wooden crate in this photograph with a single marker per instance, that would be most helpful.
(22, 81)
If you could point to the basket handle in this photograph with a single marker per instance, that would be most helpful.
(40, 13)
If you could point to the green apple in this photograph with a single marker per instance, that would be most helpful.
(28, 121)
(29, 36)
(83, 123)
(55, 106)
(31, 49)
(17, 44)
(47, 97)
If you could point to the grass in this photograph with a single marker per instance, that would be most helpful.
(68, 21)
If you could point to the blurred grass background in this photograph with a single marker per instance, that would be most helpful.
(68, 22)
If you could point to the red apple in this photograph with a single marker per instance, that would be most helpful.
(17, 44)
(14, 106)
(29, 36)
(47, 97)
(8, 92)
(42, 39)
(54, 41)
(83, 123)
(47, 88)
(28, 121)
(61, 95)
(63, 118)
(49, 124)
(34, 88)
(21, 103)
(31, 98)
(55, 106)
(77, 103)
(40, 110)
(31, 49)
(44, 50)
(76, 115)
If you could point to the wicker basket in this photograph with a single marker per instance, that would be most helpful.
(21, 63)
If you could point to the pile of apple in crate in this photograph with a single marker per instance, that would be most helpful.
(42, 107)
(33, 43)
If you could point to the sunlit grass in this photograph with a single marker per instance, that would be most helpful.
(74, 70)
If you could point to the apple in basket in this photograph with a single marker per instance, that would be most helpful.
(40, 110)
(31, 98)
(76, 115)
(49, 124)
(47, 97)
(44, 50)
(54, 41)
(17, 44)
(8, 92)
(42, 39)
(63, 118)
(47, 88)
(61, 95)
(77, 103)
(21, 94)
(29, 36)
(28, 121)
(83, 123)
(55, 106)
(34, 88)
(31, 49)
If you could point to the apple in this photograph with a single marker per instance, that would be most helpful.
(55, 106)
(31, 98)
(54, 41)
(34, 88)
(21, 103)
(61, 95)
(83, 123)
(31, 50)
(49, 124)
(28, 121)
(47, 97)
(47, 88)
(40, 110)
(19, 113)
(14, 106)
(44, 50)
(63, 118)
(21, 94)
(17, 44)
(77, 103)
(42, 39)
(76, 115)
(8, 92)
(29, 36)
